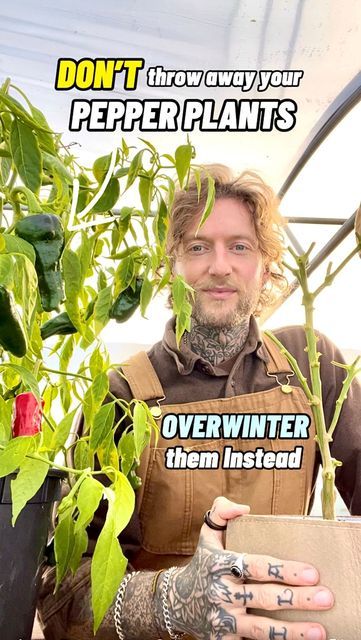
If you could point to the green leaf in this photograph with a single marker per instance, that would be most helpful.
(27, 482)
(160, 222)
(46, 139)
(145, 295)
(101, 166)
(73, 281)
(62, 431)
(81, 455)
(25, 287)
(94, 397)
(134, 168)
(96, 362)
(101, 308)
(183, 157)
(80, 545)
(107, 570)
(88, 499)
(14, 454)
(124, 274)
(145, 192)
(6, 270)
(66, 352)
(178, 294)
(109, 564)
(183, 321)
(102, 425)
(18, 111)
(55, 166)
(100, 388)
(85, 252)
(140, 427)
(126, 450)
(65, 393)
(107, 452)
(63, 544)
(109, 198)
(5, 420)
(28, 379)
(14, 244)
(208, 208)
(149, 144)
(26, 155)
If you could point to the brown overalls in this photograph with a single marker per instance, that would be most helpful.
(171, 502)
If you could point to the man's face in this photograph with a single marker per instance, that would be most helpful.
(223, 264)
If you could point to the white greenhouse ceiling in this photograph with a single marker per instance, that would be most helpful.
(319, 37)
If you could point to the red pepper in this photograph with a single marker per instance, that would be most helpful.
(27, 414)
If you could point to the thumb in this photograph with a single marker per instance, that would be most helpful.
(222, 510)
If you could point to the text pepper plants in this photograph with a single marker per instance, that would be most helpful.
(45, 233)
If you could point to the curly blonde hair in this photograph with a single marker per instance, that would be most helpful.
(262, 203)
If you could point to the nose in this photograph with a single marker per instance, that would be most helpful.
(220, 264)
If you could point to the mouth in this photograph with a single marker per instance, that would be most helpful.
(220, 293)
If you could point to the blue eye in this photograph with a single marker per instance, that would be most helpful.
(196, 248)
(240, 247)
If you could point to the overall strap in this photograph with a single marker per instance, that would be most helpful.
(278, 363)
(142, 378)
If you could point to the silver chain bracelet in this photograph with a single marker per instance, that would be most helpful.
(119, 603)
(166, 577)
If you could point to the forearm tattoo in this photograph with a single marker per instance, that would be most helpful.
(198, 592)
(142, 616)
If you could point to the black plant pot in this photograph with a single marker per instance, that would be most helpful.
(21, 555)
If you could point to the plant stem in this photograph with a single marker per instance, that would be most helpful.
(352, 372)
(322, 438)
(67, 373)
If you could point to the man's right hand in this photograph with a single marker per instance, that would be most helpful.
(207, 602)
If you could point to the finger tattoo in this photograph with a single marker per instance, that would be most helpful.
(285, 598)
(274, 571)
(273, 634)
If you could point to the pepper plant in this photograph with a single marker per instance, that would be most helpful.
(72, 257)
(313, 388)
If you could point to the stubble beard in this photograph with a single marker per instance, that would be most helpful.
(213, 313)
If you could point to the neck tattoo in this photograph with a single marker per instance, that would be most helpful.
(216, 344)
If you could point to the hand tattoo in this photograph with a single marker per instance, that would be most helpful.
(197, 593)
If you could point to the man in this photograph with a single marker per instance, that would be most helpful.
(223, 367)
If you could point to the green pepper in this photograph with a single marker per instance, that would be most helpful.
(45, 233)
(12, 336)
(127, 302)
(60, 325)
(135, 481)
